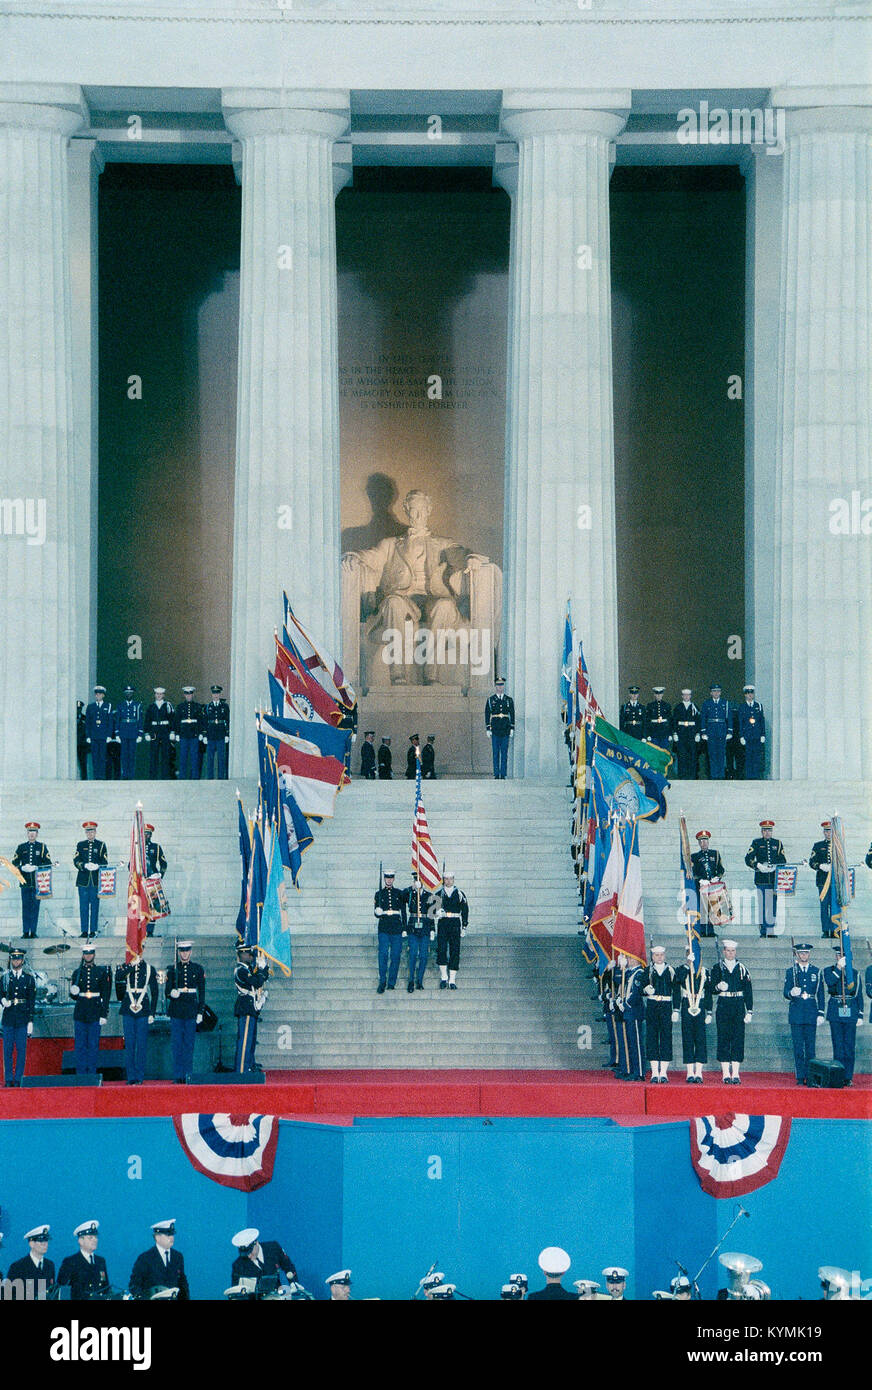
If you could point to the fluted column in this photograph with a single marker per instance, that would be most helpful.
(38, 535)
(286, 507)
(821, 533)
(560, 510)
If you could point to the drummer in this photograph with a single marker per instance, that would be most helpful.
(30, 856)
(155, 864)
(707, 865)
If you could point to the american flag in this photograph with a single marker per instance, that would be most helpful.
(424, 861)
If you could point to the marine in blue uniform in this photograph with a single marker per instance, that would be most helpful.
(752, 733)
(716, 729)
(731, 987)
(85, 1272)
(249, 978)
(99, 728)
(17, 1000)
(35, 1269)
(367, 756)
(764, 857)
(128, 728)
(692, 1005)
(136, 988)
(656, 984)
(632, 715)
(90, 987)
(420, 927)
(216, 735)
(499, 723)
(804, 988)
(155, 863)
(185, 991)
(158, 728)
(187, 728)
(706, 864)
(29, 856)
(389, 907)
(628, 1018)
(90, 855)
(658, 719)
(844, 1011)
(451, 914)
(685, 735)
(259, 1259)
(161, 1267)
(820, 860)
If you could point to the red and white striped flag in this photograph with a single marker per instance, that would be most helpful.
(424, 861)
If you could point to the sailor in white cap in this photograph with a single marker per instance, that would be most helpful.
(256, 1258)
(553, 1263)
(451, 914)
(616, 1282)
(158, 725)
(84, 1272)
(656, 984)
(680, 1288)
(339, 1285)
(35, 1265)
(160, 1267)
(731, 987)
(390, 913)
(588, 1291)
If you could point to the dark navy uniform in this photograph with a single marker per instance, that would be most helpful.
(185, 992)
(428, 759)
(136, 987)
(499, 721)
(216, 733)
(249, 977)
(271, 1260)
(90, 855)
(28, 857)
(187, 728)
(86, 1278)
(821, 862)
(706, 865)
(17, 1000)
(685, 738)
(632, 716)
(412, 754)
(367, 760)
(752, 736)
(348, 722)
(656, 986)
(804, 987)
(869, 858)
(158, 728)
(605, 990)
(451, 914)
(628, 1021)
(658, 722)
(420, 927)
(151, 1271)
(764, 856)
(29, 1270)
(128, 728)
(733, 1002)
(99, 728)
(389, 906)
(385, 761)
(155, 863)
(716, 729)
(81, 740)
(693, 1015)
(869, 989)
(844, 1011)
(90, 987)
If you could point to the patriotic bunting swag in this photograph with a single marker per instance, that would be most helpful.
(233, 1150)
(735, 1154)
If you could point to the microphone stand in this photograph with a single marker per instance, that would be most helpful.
(709, 1258)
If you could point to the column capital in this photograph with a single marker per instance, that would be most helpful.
(250, 111)
(43, 106)
(812, 109)
(579, 111)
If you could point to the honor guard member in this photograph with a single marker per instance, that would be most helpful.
(632, 717)
(339, 1285)
(752, 733)
(155, 863)
(158, 727)
(258, 1259)
(685, 735)
(553, 1263)
(216, 735)
(413, 752)
(35, 1267)
(136, 988)
(90, 856)
(385, 761)
(451, 915)
(367, 756)
(706, 865)
(90, 987)
(804, 988)
(249, 977)
(658, 719)
(17, 1000)
(85, 1272)
(186, 997)
(821, 861)
(692, 1004)
(656, 984)
(716, 730)
(616, 1282)
(348, 722)
(99, 728)
(499, 723)
(844, 1010)
(764, 857)
(161, 1267)
(128, 729)
(869, 858)
(605, 990)
(731, 987)
(419, 925)
(390, 912)
(81, 740)
(187, 728)
(29, 856)
(628, 1018)
(428, 759)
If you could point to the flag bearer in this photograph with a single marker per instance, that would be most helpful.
(844, 1010)
(821, 861)
(420, 927)
(136, 988)
(628, 1019)
(249, 977)
(692, 1004)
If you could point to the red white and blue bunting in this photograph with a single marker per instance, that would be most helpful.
(234, 1150)
(735, 1154)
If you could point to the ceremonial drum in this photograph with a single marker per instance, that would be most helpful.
(43, 883)
(719, 909)
(157, 898)
(785, 879)
(106, 884)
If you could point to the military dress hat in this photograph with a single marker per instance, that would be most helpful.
(89, 824)
(38, 1233)
(658, 689)
(432, 1281)
(186, 945)
(634, 689)
(34, 824)
(585, 1285)
(149, 827)
(747, 690)
(188, 689)
(16, 954)
(87, 1228)
(613, 1274)
(658, 950)
(714, 687)
(160, 690)
(88, 951)
(369, 733)
(431, 738)
(246, 1240)
(679, 1283)
(825, 825)
(414, 738)
(385, 740)
(164, 1228)
(129, 690)
(512, 1292)
(500, 680)
(553, 1260)
(703, 834)
(764, 823)
(520, 1279)
(804, 946)
(443, 1291)
(342, 1276)
(448, 873)
(243, 949)
(731, 945)
(216, 689)
(99, 690)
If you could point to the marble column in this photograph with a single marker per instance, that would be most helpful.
(39, 538)
(821, 533)
(560, 522)
(286, 508)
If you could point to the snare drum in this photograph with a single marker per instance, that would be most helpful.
(715, 900)
(157, 898)
(43, 883)
(106, 883)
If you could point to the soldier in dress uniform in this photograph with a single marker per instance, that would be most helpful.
(160, 1267)
(215, 736)
(716, 731)
(158, 726)
(553, 1263)
(499, 723)
(706, 865)
(249, 977)
(869, 858)
(90, 855)
(85, 1272)
(413, 752)
(658, 719)
(17, 1000)
(605, 990)
(628, 997)
(821, 861)
(186, 996)
(339, 1285)
(348, 722)
(258, 1259)
(692, 1004)
(389, 907)
(128, 729)
(752, 733)
(187, 728)
(764, 857)
(136, 988)
(685, 735)
(385, 761)
(804, 988)
(367, 756)
(656, 984)
(428, 758)
(99, 728)
(420, 927)
(731, 987)
(155, 863)
(29, 856)
(90, 987)
(35, 1267)
(81, 740)
(632, 716)
(844, 1010)
(451, 916)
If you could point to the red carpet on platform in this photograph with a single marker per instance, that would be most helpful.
(335, 1096)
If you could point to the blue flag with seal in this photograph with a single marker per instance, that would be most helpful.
(630, 786)
(274, 939)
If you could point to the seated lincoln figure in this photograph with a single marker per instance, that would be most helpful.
(417, 579)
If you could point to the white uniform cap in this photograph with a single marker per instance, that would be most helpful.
(443, 1291)
(245, 1238)
(186, 945)
(390, 873)
(38, 1233)
(87, 1228)
(613, 1274)
(164, 1227)
(342, 1276)
(583, 1284)
(448, 873)
(553, 1260)
(432, 1281)
(734, 945)
(658, 950)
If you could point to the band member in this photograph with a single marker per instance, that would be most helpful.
(367, 756)
(90, 987)
(692, 1004)
(385, 761)
(258, 1258)
(17, 1000)
(29, 856)
(628, 1018)
(420, 927)
(752, 733)
(553, 1263)
(390, 912)
(413, 752)
(632, 716)
(186, 998)
(731, 987)
(161, 1267)
(136, 987)
(155, 863)
(706, 865)
(99, 728)
(685, 735)
(821, 861)
(451, 914)
(216, 735)
(249, 977)
(35, 1267)
(158, 726)
(128, 729)
(658, 719)
(764, 856)
(844, 1011)
(91, 854)
(339, 1285)
(499, 723)
(187, 727)
(428, 758)
(85, 1272)
(656, 984)
(716, 730)
(804, 987)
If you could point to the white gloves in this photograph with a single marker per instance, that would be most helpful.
(379, 911)
(742, 741)
(4, 1003)
(74, 989)
(151, 1018)
(199, 1018)
(721, 987)
(649, 989)
(148, 738)
(174, 994)
(696, 738)
(819, 1020)
(795, 992)
(102, 1023)
(30, 1030)
(488, 732)
(762, 738)
(674, 1015)
(708, 1018)
(748, 1017)
(841, 963)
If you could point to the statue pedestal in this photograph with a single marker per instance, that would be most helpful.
(462, 746)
